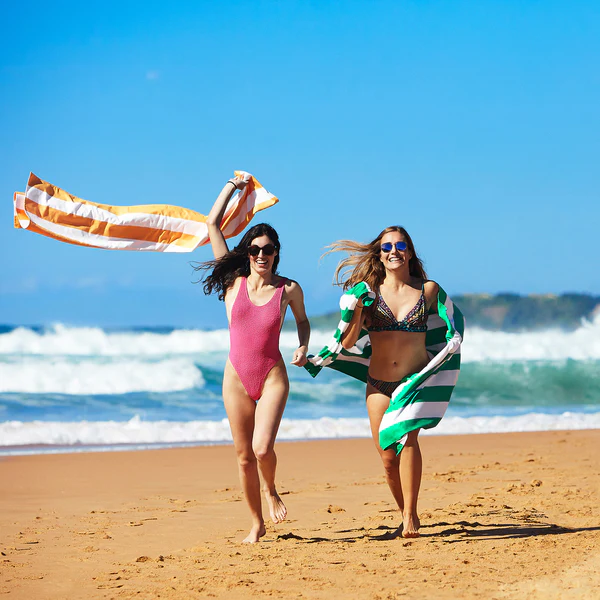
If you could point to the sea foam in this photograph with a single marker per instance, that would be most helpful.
(581, 344)
(94, 341)
(58, 375)
(138, 432)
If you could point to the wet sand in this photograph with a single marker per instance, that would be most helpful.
(503, 516)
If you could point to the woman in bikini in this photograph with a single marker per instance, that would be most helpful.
(256, 299)
(397, 324)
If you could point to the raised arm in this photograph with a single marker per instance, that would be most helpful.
(302, 324)
(350, 336)
(215, 216)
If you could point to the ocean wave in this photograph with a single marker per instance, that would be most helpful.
(479, 346)
(526, 383)
(581, 344)
(88, 377)
(65, 340)
(136, 431)
(93, 341)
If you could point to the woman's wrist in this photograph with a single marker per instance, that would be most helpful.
(233, 183)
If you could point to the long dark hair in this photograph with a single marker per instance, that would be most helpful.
(225, 270)
(364, 263)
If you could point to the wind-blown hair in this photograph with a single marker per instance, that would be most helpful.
(364, 263)
(225, 270)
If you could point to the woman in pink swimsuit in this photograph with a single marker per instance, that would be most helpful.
(256, 299)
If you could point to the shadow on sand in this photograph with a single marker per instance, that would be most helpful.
(459, 531)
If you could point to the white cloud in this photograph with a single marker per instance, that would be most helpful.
(91, 282)
(26, 285)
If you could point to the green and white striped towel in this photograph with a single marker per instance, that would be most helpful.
(421, 400)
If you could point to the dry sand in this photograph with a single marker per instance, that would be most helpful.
(504, 516)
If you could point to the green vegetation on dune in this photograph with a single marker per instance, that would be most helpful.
(510, 312)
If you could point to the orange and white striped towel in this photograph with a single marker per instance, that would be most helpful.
(46, 209)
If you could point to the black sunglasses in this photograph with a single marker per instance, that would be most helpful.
(267, 250)
(387, 246)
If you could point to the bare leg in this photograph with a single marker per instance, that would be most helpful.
(241, 413)
(377, 404)
(411, 469)
(268, 417)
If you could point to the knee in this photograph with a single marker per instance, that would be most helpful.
(412, 439)
(262, 452)
(246, 459)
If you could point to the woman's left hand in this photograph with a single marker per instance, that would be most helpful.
(239, 182)
(299, 359)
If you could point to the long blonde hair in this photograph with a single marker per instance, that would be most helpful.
(364, 263)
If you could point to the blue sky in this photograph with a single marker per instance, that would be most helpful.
(476, 125)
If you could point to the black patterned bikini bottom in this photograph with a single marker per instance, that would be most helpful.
(385, 387)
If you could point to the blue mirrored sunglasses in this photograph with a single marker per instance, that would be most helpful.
(387, 246)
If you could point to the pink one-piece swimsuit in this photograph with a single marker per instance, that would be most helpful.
(254, 338)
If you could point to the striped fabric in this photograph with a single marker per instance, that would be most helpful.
(353, 362)
(421, 400)
(46, 209)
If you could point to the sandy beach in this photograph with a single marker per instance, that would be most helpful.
(504, 516)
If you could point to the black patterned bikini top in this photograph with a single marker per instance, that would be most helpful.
(383, 319)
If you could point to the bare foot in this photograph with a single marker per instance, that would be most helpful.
(277, 508)
(411, 525)
(255, 534)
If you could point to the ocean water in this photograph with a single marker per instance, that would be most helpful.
(72, 388)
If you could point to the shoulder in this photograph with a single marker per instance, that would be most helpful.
(291, 286)
(293, 293)
(430, 289)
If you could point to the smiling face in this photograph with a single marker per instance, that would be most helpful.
(262, 263)
(394, 259)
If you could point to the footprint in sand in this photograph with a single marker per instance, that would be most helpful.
(202, 549)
